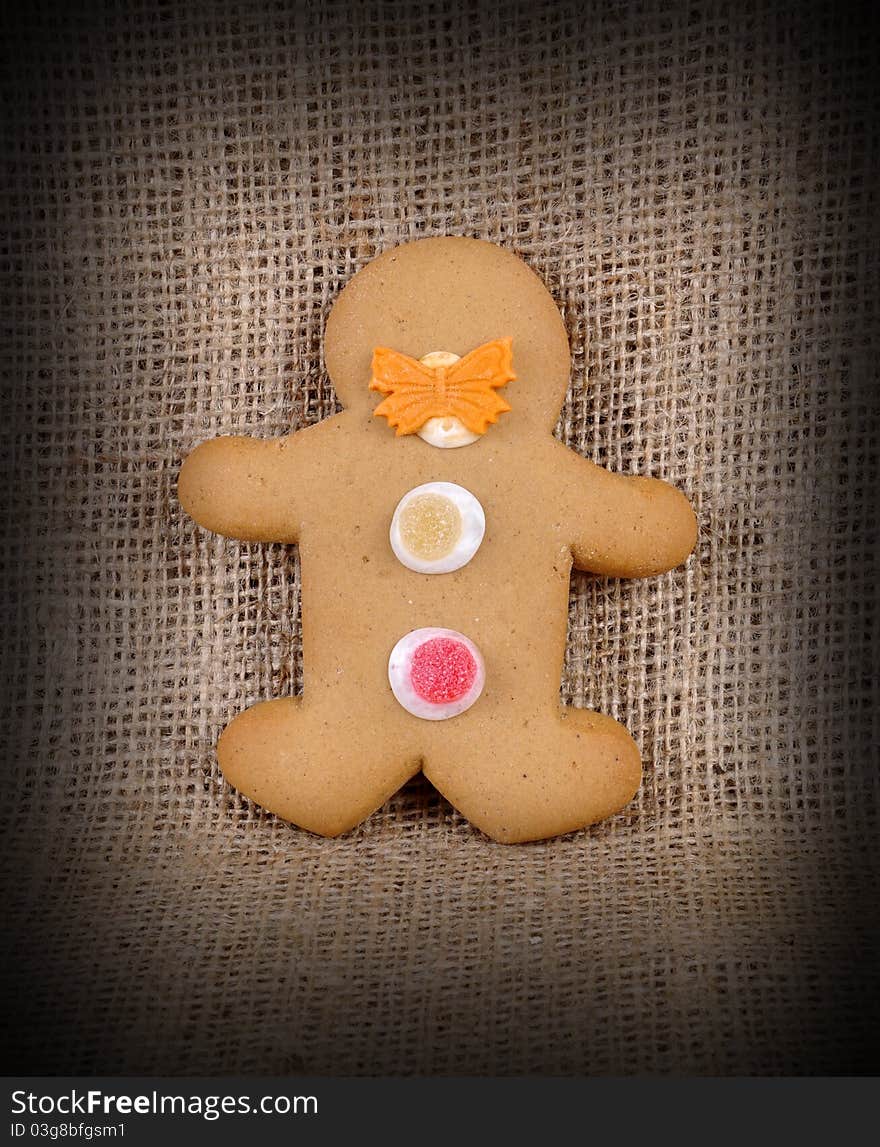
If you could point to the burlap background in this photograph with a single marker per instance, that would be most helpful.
(187, 189)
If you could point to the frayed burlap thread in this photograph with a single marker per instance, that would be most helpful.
(187, 188)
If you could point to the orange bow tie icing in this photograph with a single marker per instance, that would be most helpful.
(466, 390)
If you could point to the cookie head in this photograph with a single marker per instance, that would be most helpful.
(449, 340)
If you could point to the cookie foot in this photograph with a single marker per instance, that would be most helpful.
(545, 777)
(309, 768)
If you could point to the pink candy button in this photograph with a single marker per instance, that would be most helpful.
(436, 673)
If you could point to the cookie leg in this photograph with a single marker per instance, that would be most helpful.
(310, 768)
(539, 776)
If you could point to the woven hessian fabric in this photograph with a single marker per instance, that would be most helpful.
(187, 189)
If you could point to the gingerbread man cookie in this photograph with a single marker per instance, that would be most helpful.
(438, 520)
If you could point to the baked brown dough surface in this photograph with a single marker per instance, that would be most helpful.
(516, 764)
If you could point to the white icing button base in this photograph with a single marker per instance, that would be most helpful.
(470, 528)
(447, 433)
(436, 673)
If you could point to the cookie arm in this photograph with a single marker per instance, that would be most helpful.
(623, 526)
(245, 488)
